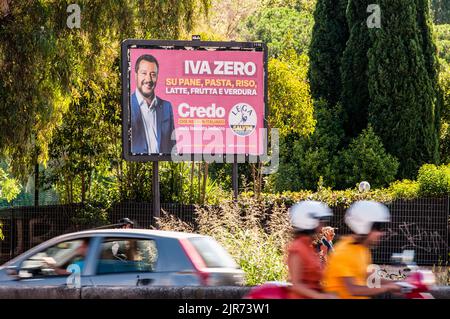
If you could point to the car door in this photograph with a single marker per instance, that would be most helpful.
(60, 264)
(126, 261)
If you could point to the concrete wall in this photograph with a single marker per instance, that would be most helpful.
(144, 293)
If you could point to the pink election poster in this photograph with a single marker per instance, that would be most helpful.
(213, 101)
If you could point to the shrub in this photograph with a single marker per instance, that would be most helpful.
(253, 231)
(405, 189)
(91, 215)
(434, 180)
(365, 159)
(331, 197)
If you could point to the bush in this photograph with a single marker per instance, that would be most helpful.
(434, 180)
(405, 189)
(332, 198)
(365, 159)
(304, 161)
(253, 231)
(91, 215)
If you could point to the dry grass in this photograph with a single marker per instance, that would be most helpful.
(253, 232)
(442, 274)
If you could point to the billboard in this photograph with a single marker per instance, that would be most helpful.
(193, 98)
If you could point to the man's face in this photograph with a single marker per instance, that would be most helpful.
(330, 235)
(82, 249)
(146, 78)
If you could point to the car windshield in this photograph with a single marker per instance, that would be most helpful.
(213, 254)
(54, 260)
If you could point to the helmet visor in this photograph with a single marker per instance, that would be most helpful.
(380, 226)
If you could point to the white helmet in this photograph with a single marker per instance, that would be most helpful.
(362, 215)
(305, 215)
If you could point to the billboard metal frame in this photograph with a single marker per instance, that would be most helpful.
(180, 45)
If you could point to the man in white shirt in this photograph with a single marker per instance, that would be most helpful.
(152, 121)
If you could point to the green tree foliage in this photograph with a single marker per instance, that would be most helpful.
(271, 25)
(329, 37)
(226, 19)
(299, 5)
(366, 160)
(290, 103)
(403, 111)
(444, 142)
(33, 88)
(441, 11)
(444, 146)
(79, 155)
(304, 161)
(354, 72)
(442, 38)
(443, 43)
(61, 87)
(44, 64)
(429, 47)
(10, 187)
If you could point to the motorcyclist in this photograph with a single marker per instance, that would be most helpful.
(305, 271)
(347, 271)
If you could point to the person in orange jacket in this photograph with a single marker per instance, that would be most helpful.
(305, 270)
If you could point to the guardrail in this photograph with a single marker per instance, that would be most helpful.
(442, 292)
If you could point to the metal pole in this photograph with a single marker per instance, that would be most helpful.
(12, 235)
(234, 178)
(155, 190)
(36, 184)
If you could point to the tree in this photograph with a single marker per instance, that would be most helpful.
(42, 61)
(366, 160)
(329, 37)
(299, 5)
(47, 69)
(304, 161)
(441, 11)
(442, 33)
(290, 103)
(273, 25)
(404, 100)
(354, 69)
(226, 18)
(429, 47)
(9, 188)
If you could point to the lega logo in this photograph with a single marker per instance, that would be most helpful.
(242, 119)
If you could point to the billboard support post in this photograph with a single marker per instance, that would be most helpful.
(155, 190)
(234, 178)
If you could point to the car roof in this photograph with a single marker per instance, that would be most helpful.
(109, 232)
(112, 232)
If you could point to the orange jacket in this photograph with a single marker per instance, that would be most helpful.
(311, 266)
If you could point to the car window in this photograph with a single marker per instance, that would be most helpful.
(213, 254)
(53, 261)
(122, 255)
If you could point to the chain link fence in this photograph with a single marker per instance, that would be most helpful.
(421, 225)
